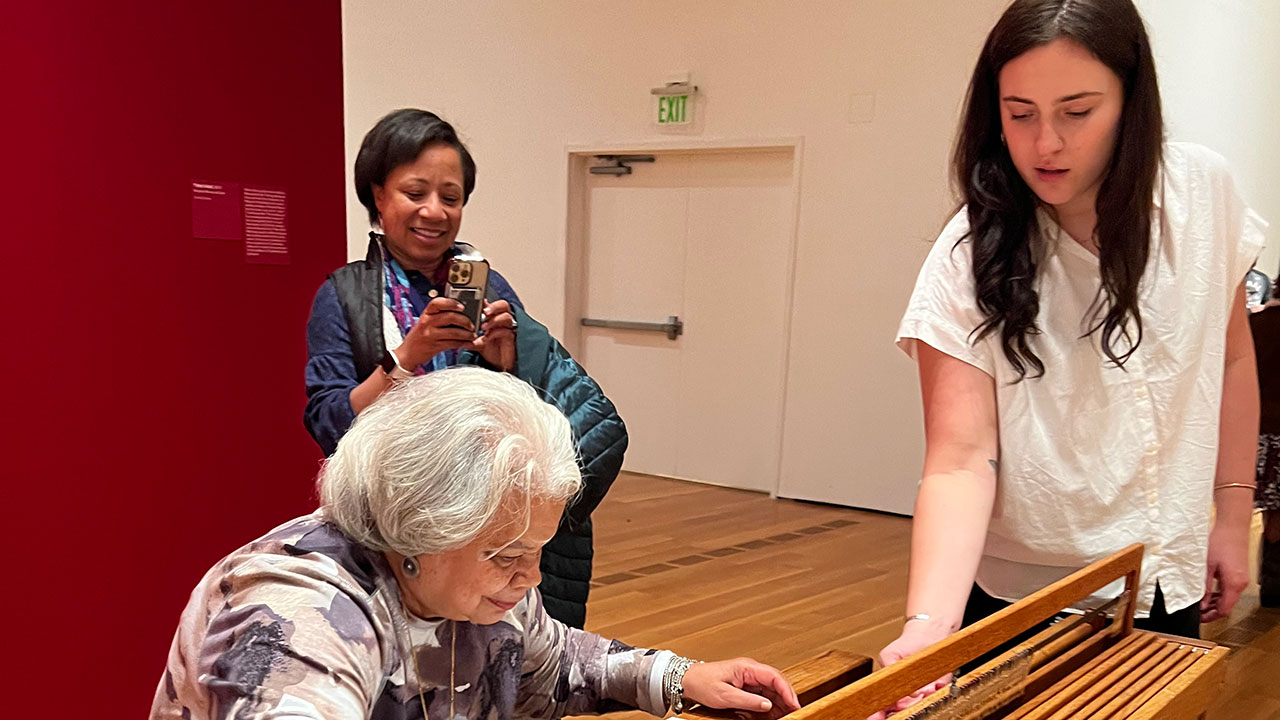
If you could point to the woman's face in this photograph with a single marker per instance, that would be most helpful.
(480, 582)
(420, 205)
(1060, 111)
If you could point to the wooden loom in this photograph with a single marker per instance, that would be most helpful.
(1092, 666)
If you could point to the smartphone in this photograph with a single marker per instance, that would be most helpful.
(468, 283)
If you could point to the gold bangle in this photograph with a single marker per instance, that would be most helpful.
(1230, 485)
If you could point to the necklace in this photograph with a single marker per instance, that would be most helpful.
(413, 655)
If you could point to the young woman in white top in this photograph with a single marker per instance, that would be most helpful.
(1082, 340)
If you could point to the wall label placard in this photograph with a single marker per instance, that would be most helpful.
(215, 210)
(266, 228)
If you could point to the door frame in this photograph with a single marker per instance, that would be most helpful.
(578, 158)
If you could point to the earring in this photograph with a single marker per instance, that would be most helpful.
(410, 567)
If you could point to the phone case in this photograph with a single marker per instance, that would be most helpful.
(468, 284)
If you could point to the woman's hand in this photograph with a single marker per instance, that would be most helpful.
(916, 636)
(1228, 571)
(442, 326)
(498, 343)
(741, 684)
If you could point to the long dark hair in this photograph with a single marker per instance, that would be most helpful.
(1002, 208)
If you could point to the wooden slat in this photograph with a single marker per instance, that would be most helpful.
(1161, 657)
(1188, 694)
(1059, 693)
(1064, 664)
(1071, 687)
(1097, 680)
(883, 688)
(1140, 700)
(1074, 630)
(1132, 698)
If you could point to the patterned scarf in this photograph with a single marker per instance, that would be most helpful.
(398, 300)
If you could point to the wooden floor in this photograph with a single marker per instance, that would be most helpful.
(714, 573)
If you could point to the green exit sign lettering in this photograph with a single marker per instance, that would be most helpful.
(674, 110)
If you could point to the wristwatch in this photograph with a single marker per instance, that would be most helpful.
(391, 366)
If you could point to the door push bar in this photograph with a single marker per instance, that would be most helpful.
(672, 327)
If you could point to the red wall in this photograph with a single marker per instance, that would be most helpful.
(153, 395)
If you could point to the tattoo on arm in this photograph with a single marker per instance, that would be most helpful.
(995, 466)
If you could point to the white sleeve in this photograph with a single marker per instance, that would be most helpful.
(1245, 232)
(943, 311)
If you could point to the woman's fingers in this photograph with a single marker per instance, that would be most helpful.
(448, 334)
(442, 304)
(733, 697)
(447, 319)
(497, 308)
(772, 683)
(505, 321)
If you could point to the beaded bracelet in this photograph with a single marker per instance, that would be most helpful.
(673, 683)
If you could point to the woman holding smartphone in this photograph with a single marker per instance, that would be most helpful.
(387, 318)
(1083, 347)
(414, 176)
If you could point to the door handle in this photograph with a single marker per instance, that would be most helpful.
(672, 327)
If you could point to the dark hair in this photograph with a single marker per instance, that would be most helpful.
(1002, 208)
(399, 138)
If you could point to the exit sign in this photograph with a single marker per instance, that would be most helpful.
(674, 110)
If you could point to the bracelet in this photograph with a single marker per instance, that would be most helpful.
(1230, 485)
(398, 373)
(918, 616)
(673, 683)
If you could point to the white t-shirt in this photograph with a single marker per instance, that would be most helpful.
(1095, 457)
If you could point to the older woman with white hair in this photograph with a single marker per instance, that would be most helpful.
(412, 592)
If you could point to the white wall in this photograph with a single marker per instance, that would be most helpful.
(523, 81)
(1219, 64)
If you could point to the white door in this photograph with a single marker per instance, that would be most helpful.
(706, 238)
